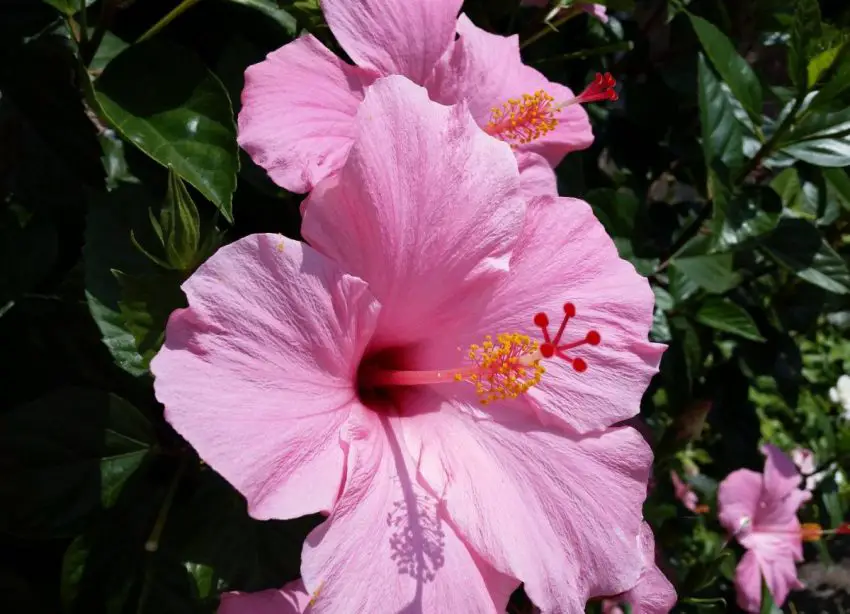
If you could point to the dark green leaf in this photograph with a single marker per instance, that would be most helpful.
(734, 70)
(68, 7)
(616, 209)
(820, 138)
(722, 136)
(109, 49)
(165, 101)
(723, 314)
(797, 245)
(65, 457)
(713, 272)
(838, 185)
(752, 213)
(271, 9)
(112, 217)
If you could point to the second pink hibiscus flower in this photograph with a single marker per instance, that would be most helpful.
(299, 105)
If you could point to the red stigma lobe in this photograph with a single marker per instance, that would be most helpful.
(552, 346)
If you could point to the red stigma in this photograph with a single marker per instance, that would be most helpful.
(843, 529)
(601, 88)
(553, 346)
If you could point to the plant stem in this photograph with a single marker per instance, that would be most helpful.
(174, 14)
(550, 27)
(84, 27)
(152, 545)
(586, 53)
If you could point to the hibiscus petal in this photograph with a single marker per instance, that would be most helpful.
(487, 70)
(653, 594)
(387, 546)
(781, 476)
(738, 498)
(528, 500)
(298, 109)
(291, 599)
(257, 373)
(426, 209)
(536, 176)
(392, 37)
(748, 583)
(564, 255)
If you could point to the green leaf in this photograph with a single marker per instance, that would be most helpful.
(180, 225)
(67, 456)
(164, 100)
(722, 136)
(820, 64)
(271, 9)
(616, 209)
(146, 302)
(732, 68)
(820, 138)
(753, 212)
(713, 272)
(838, 185)
(805, 29)
(797, 245)
(110, 48)
(723, 314)
(111, 220)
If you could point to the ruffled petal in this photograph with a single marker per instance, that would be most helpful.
(527, 499)
(486, 70)
(653, 594)
(258, 372)
(388, 546)
(564, 255)
(291, 599)
(748, 583)
(298, 109)
(405, 38)
(426, 209)
(536, 176)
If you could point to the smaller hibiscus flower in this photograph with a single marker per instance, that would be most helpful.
(760, 511)
(805, 461)
(299, 105)
(653, 594)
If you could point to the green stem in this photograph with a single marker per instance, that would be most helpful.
(174, 14)
(550, 27)
(152, 545)
(586, 53)
(107, 10)
(84, 27)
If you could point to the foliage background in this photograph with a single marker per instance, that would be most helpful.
(720, 173)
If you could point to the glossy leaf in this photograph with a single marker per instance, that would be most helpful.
(805, 29)
(67, 456)
(270, 9)
(821, 138)
(165, 101)
(733, 69)
(797, 245)
(752, 213)
(713, 272)
(725, 315)
(722, 136)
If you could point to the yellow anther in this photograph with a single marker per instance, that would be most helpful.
(811, 531)
(520, 121)
(506, 369)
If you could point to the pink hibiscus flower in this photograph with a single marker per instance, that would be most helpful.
(686, 495)
(299, 105)
(327, 378)
(653, 594)
(805, 461)
(760, 510)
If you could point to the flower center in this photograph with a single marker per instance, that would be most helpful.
(522, 120)
(500, 369)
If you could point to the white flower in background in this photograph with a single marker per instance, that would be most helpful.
(806, 463)
(840, 393)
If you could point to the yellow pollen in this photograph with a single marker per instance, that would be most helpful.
(811, 531)
(505, 368)
(522, 120)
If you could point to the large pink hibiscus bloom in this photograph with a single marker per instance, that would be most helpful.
(327, 378)
(760, 510)
(299, 105)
